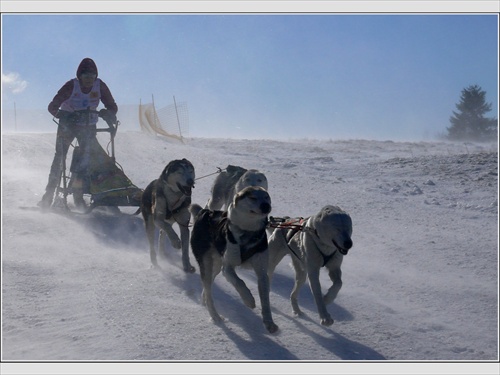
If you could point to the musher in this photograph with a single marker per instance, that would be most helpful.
(84, 92)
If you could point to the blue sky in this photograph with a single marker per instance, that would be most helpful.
(372, 76)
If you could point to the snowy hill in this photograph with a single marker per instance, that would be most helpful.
(420, 283)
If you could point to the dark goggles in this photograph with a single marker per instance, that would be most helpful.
(88, 76)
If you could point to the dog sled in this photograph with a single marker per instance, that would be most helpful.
(104, 183)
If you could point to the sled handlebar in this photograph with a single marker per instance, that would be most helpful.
(111, 120)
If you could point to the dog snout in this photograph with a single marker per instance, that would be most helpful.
(190, 182)
(347, 244)
(265, 208)
(343, 246)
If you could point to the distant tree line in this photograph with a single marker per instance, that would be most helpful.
(469, 123)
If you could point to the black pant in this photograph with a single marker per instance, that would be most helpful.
(66, 133)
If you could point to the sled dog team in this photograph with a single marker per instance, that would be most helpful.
(232, 231)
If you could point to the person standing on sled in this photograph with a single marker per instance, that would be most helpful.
(84, 92)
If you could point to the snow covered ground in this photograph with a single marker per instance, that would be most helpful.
(420, 283)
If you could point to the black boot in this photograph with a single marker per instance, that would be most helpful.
(46, 201)
(80, 203)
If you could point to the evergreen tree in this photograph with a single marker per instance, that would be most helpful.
(469, 123)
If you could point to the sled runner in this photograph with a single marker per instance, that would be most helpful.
(104, 181)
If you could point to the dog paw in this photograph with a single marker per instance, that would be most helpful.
(247, 297)
(218, 319)
(189, 269)
(176, 243)
(327, 321)
(249, 302)
(271, 327)
(155, 267)
(297, 313)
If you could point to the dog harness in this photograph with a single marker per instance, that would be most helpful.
(251, 243)
(157, 193)
(294, 230)
(214, 228)
(185, 204)
(326, 258)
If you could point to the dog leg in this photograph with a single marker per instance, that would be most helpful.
(184, 229)
(172, 236)
(300, 279)
(260, 266)
(161, 221)
(335, 274)
(161, 243)
(214, 274)
(315, 285)
(240, 286)
(207, 278)
(277, 250)
(150, 232)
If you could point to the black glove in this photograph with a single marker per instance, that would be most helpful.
(107, 116)
(68, 117)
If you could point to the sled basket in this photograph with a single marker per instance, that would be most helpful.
(107, 183)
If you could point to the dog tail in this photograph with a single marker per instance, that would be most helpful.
(195, 209)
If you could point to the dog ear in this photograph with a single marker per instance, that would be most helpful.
(165, 172)
(239, 195)
(236, 198)
(163, 175)
(186, 162)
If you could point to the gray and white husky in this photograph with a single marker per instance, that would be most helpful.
(232, 180)
(224, 240)
(323, 241)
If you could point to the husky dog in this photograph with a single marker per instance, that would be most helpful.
(223, 240)
(323, 241)
(166, 201)
(232, 180)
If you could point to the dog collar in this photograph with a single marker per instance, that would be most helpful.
(251, 243)
(183, 205)
(326, 258)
